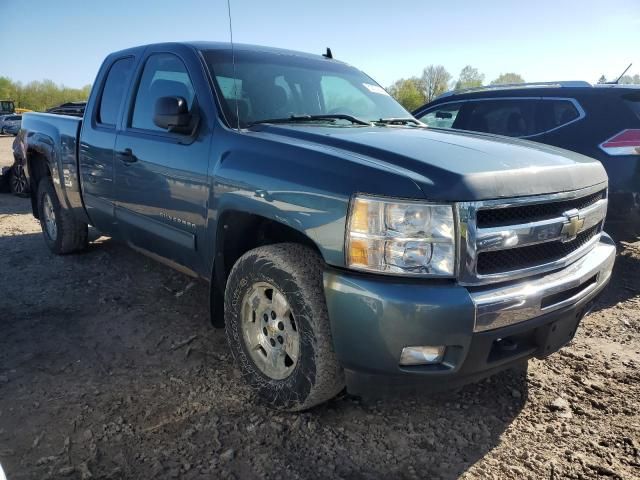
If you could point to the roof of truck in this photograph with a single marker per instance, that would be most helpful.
(238, 47)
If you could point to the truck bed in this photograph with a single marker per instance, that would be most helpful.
(56, 138)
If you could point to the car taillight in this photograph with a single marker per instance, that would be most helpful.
(627, 142)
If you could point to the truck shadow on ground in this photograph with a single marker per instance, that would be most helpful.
(109, 364)
(625, 279)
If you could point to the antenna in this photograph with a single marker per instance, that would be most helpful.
(328, 54)
(233, 61)
(625, 71)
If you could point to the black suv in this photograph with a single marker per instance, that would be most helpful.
(601, 121)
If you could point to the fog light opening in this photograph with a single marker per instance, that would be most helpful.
(421, 355)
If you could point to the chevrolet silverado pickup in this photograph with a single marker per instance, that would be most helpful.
(344, 242)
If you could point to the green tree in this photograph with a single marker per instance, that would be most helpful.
(434, 81)
(507, 78)
(630, 80)
(408, 92)
(40, 95)
(469, 78)
(602, 79)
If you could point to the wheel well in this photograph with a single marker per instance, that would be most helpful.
(239, 232)
(38, 169)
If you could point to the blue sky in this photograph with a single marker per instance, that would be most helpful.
(66, 40)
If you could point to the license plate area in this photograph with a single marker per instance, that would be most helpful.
(553, 336)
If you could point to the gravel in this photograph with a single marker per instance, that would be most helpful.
(105, 372)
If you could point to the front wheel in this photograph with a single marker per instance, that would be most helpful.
(62, 232)
(278, 328)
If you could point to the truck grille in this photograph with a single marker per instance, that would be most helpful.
(526, 257)
(502, 240)
(499, 217)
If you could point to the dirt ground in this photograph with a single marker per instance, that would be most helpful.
(109, 369)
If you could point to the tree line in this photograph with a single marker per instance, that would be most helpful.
(435, 80)
(411, 92)
(40, 95)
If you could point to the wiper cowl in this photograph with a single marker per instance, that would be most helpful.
(314, 118)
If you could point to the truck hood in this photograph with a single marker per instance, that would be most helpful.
(454, 166)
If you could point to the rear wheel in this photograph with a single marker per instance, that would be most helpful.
(62, 232)
(278, 328)
(18, 181)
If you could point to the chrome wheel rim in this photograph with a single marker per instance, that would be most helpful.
(18, 180)
(49, 217)
(269, 331)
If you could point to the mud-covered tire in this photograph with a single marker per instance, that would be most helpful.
(296, 271)
(70, 235)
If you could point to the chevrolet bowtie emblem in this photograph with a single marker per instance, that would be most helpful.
(572, 226)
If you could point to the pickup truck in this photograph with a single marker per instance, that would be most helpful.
(344, 242)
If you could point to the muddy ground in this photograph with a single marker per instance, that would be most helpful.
(109, 369)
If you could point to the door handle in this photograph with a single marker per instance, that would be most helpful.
(127, 156)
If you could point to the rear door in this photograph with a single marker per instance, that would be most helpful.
(161, 177)
(97, 139)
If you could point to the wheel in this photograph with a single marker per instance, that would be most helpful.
(18, 181)
(278, 328)
(63, 233)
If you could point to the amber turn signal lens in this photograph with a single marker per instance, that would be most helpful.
(358, 252)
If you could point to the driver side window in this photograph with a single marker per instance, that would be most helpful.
(164, 75)
(442, 116)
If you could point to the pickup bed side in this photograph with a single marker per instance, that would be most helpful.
(50, 147)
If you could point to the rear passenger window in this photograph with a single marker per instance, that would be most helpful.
(564, 112)
(442, 116)
(164, 75)
(113, 91)
(518, 117)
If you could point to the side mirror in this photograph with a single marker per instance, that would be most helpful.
(172, 114)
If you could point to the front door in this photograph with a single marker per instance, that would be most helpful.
(161, 176)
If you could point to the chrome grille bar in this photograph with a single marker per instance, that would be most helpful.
(475, 241)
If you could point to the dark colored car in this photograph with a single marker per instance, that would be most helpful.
(10, 124)
(344, 242)
(601, 121)
(17, 179)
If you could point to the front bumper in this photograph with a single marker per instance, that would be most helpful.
(374, 317)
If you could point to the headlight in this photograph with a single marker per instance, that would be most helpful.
(401, 237)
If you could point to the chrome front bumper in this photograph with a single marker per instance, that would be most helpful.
(514, 303)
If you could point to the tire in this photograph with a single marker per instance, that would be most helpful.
(18, 181)
(295, 271)
(66, 234)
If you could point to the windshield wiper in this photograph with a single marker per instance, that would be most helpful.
(314, 118)
(399, 121)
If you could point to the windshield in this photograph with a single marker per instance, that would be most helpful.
(266, 86)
